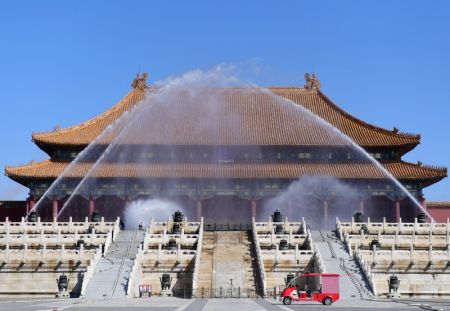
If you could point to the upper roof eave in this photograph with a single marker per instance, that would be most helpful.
(45, 137)
(410, 139)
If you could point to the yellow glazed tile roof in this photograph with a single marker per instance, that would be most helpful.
(52, 169)
(240, 117)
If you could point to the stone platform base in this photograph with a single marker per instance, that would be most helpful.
(393, 295)
(62, 295)
(166, 293)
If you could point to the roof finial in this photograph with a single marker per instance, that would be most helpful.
(312, 83)
(140, 82)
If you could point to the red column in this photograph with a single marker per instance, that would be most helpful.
(253, 208)
(55, 207)
(91, 205)
(361, 206)
(27, 208)
(397, 209)
(199, 209)
(31, 203)
(325, 211)
(423, 202)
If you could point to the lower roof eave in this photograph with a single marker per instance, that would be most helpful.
(429, 182)
(423, 182)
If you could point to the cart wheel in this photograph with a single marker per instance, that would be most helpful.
(287, 300)
(327, 301)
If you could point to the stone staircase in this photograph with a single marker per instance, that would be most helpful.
(337, 260)
(351, 268)
(227, 261)
(205, 273)
(111, 275)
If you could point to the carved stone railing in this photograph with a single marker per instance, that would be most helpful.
(366, 271)
(393, 227)
(319, 264)
(90, 271)
(198, 256)
(135, 275)
(398, 240)
(68, 227)
(62, 254)
(54, 239)
(259, 258)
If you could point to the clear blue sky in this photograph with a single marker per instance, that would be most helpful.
(386, 62)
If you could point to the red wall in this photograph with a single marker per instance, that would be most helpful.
(439, 214)
(12, 209)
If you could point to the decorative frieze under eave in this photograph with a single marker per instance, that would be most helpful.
(250, 189)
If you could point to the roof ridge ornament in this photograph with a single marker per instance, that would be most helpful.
(312, 82)
(140, 82)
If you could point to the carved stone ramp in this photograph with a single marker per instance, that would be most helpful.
(232, 267)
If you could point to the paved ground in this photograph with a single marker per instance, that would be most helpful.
(176, 304)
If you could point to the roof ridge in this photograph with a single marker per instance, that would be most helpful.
(438, 202)
(31, 163)
(125, 100)
(425, 166)
(363, 123)
(287, 87)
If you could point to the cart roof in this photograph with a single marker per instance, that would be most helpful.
(319, 274)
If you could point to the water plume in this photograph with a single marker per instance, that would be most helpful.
(304, 198)
(142, 211)
(174, 98)
(346, 140)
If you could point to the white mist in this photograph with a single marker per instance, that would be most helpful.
(144, 210)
